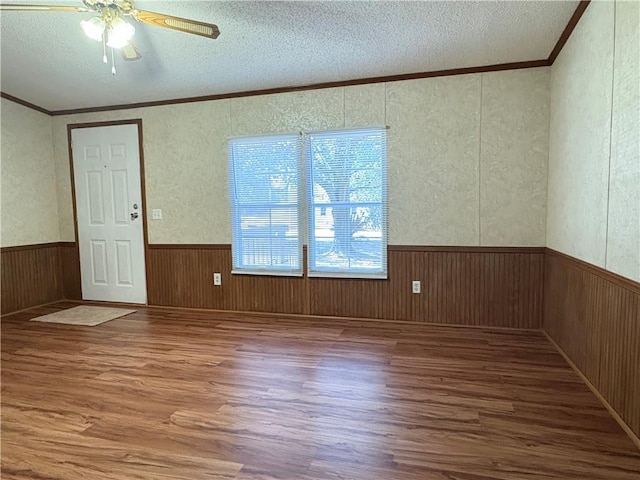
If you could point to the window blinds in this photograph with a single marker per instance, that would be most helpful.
(347, 203)
(264, 174)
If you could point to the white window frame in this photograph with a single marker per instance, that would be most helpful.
(236, 246)
(328, 272)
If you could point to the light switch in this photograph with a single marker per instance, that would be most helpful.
(156, 214)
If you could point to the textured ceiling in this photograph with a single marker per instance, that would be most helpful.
(47, 60)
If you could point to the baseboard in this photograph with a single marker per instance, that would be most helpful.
(299, 316)
(8, 314)
(634, 438)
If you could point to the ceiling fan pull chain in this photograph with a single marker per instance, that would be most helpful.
(104, 49)
(113, 63)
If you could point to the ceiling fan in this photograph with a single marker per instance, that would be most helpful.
(110, 25)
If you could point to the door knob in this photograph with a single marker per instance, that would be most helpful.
(134, 215)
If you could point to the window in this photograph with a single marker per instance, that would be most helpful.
(347, 203)
(264, 175)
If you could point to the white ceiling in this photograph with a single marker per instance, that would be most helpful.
(47, 60)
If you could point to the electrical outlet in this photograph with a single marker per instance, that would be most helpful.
(217, 279)
(156, 214)
(415, 286)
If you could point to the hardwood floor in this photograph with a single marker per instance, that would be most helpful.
(164, 394)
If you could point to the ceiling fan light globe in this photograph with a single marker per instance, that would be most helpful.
(116, 42)
(120, 33)
(93, 28)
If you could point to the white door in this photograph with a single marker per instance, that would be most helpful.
(106, 166)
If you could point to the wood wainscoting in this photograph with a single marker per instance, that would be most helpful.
(70, 270)
(594, 316)
(30, 276)
(38, 274)
(482, 286)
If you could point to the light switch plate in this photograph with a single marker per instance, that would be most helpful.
(156, 214)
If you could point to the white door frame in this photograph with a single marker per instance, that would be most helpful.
(143, 211)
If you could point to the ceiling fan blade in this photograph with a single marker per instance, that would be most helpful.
(208, 30)
(130, 53)
(55, 8)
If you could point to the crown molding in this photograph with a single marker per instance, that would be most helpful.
(24, 103)
(566, 33)
(315, 86)
(564, 37)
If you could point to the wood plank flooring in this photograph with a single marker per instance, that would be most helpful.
(167, 394)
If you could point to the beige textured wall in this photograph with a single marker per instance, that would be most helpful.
(594, 163)
(434, 157)
(467, 156)
(185, 160)
(28, 212)
(579, 138)
(514, 156)
(623, 232)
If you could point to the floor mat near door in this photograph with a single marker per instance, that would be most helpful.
(84, 315)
